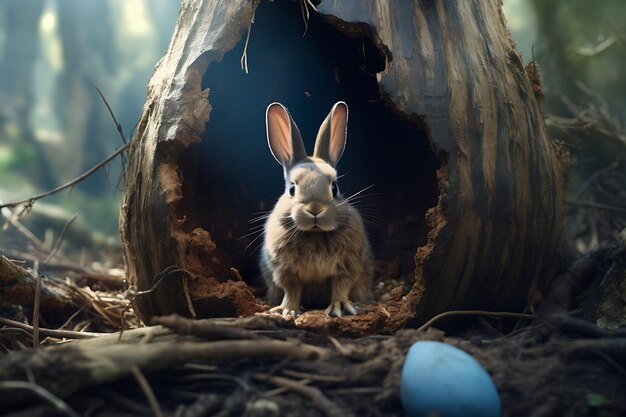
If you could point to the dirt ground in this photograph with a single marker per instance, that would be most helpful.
(554, 365)
(539, 370)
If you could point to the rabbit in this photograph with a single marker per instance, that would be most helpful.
(315, 246)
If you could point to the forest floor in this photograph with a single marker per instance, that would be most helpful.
(263, 366)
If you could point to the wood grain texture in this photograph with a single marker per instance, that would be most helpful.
(454, 65)
(174, 115)
(450, 65)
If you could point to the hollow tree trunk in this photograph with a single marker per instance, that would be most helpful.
(450, 68)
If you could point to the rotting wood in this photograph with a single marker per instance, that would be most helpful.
(17, 286)
(158, 240)
(449, 65)
(489, 244)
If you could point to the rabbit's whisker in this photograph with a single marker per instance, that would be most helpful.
(342, 175)
(292, 231)
(249, 234)
(370, 215)
(348, 199)
(261, 212)
(257, 227)
(258, 219)
(253, 240)
(362, 206)
(354, 199)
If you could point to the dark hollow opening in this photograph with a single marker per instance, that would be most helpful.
(231, 174)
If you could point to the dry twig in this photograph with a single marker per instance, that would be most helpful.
(36, 305)
(61, 334)
(147, 390)
(330, 408)
(88, 363)
(304, 8)
(475, 313)
(205, 329)
(244, 55)
(42, 393)
(59, 241)
(28, 202)
(594, 116)
(314, 377)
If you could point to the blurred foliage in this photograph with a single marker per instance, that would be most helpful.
(581, 48)
(582, 41)
(53, 125)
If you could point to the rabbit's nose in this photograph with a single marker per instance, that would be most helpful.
(314, 208)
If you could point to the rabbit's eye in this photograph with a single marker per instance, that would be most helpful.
(292, 189)
(334, 188)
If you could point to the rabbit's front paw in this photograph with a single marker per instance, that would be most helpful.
(285, 311)
(340, 308)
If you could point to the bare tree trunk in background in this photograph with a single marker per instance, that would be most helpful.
(19, 52)
(86, 33)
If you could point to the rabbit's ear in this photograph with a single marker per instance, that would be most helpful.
(283, 136)
(331, 138)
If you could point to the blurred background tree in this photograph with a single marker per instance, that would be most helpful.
(53, 125)
(581, 49)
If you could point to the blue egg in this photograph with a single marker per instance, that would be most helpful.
(440, 378)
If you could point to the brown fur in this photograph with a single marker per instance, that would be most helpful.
(321, 259)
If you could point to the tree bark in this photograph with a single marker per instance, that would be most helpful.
(174, 115)
(496, 226)
(452, 69)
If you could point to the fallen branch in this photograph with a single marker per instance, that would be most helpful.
(571, 282)
(60, 334)
(614, 347)
(579, 327)
(114, 281)
(205, 329)
(475, 313)
(18, 286)
(66, 369)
